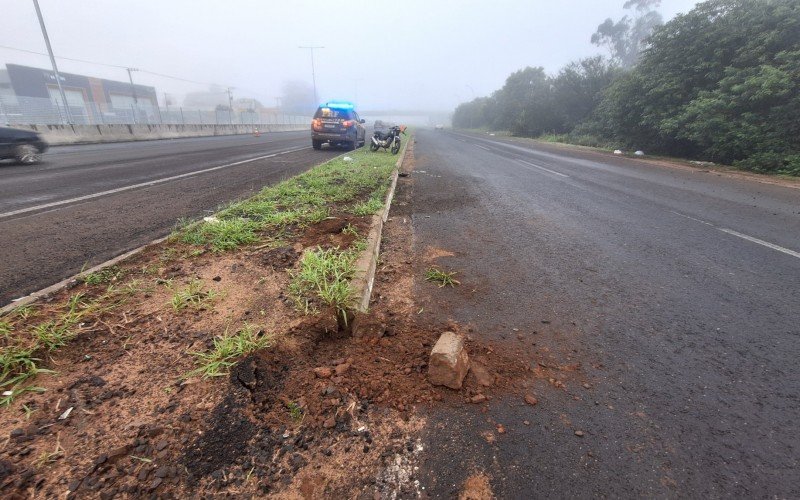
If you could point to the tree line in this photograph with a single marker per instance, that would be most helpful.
(720, 83)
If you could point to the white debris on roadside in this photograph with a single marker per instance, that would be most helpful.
(8, 393)
(639, 153)
(347, 158)
(617, 151)
(395, 480)
(210, 219)
(64, 415)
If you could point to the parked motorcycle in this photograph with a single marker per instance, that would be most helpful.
(389, 139)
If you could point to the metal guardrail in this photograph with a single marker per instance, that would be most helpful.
(42, 111)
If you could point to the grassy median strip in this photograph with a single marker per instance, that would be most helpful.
(30, 334)
(300, 201)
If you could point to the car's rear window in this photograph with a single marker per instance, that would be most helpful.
(325, 112)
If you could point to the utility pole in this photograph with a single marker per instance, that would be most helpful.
(133, 87)
(230, 106)
(313, 71)
(53, 61)
(135, 105)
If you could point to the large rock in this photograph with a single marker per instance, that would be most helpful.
(449, 362)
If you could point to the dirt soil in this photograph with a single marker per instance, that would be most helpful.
(320, 414)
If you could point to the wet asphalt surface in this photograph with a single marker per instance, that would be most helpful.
(50, 230)
(682, 335)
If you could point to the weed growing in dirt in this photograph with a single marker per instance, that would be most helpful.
(324, 275)
(295, 411)
(192, 296)
(5, 328)
(441, 278)
(227, 349)
(47, 458)
(25, 312)
(350, 229)
(107, 275)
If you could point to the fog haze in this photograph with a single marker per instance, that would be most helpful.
(410, 55)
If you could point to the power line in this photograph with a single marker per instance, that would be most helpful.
(110, 66)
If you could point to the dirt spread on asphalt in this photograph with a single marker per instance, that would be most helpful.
(322, 413)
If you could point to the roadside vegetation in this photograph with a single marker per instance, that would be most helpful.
(441, 278)
(228, 348)
(29, 335)
(718, 83)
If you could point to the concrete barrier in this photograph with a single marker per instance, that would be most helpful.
(57, 135)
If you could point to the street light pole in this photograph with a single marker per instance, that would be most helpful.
(53, 61)
(313, 71)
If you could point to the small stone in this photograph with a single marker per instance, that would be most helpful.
(587, 386)
(526, 422)
(161, 444)
(531, 399)
(323, 372)
(482, 374)
(118, 453)
(478, 398)
(156, 483)
(579, 433)
(501, 429)
(329, 423)
(407, 371)
(162, 472)
(217, 278)
(342, 368)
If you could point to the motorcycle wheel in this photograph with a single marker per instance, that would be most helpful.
(373, 147)
(395, 147)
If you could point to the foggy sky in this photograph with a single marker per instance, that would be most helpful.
(410, 54)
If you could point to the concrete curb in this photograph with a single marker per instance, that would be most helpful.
(364, 279)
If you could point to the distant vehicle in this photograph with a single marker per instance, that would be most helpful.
(439, 126)
(24, 146)
(337, 124)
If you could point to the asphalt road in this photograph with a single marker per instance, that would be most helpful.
(85, 204)
(665, 300)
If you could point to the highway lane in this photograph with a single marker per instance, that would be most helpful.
(73, 171)
(668, 297)
(86, 204)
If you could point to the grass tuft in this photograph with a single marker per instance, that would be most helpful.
(324, 275)
(222, 234)
(441, 278)
(227, 349)
(107, 275)
(192, 296)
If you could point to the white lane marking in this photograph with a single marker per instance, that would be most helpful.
(483, 147)
(760, 242)
(692, 218)
(140, 185)
(743, 236)
(542, 168)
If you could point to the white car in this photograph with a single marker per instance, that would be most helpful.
(439, 126)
